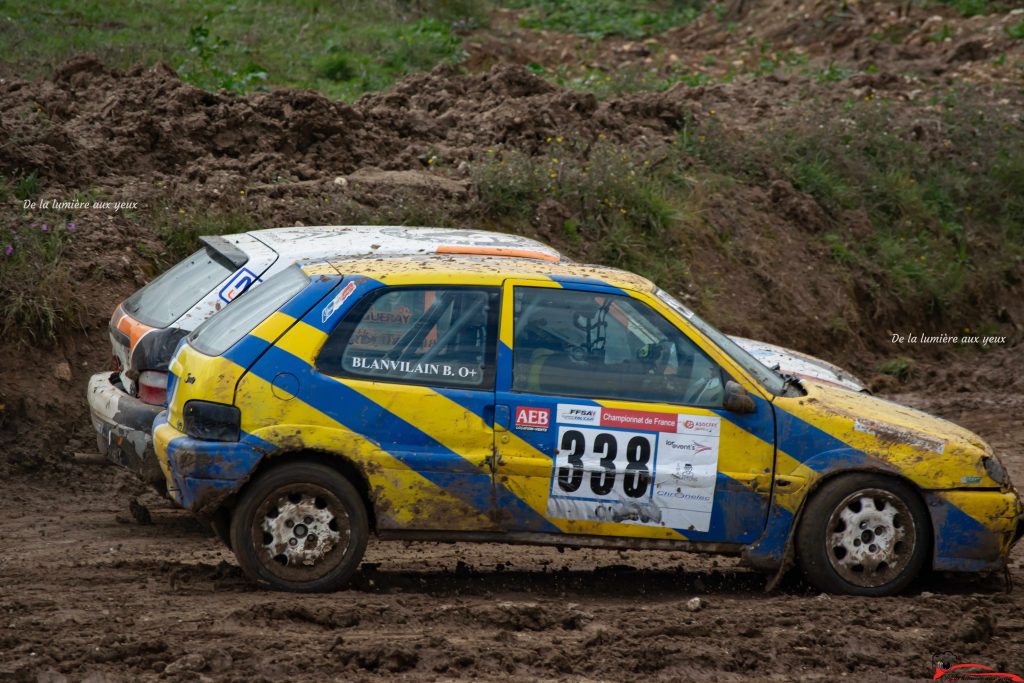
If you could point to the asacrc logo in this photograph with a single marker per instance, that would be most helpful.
(699, 425)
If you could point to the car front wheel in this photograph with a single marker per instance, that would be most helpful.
(300, 527)
(863, 534)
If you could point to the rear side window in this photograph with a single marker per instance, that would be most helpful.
(432, 336)
(223, 330)
(171, 295)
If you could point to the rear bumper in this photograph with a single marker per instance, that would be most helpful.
(201, 474)
(123, 425)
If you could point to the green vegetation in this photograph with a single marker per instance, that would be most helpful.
(599, 18)
(932, 211)
(1016, 32)
(180, 229)
(342, 49)
(900, 367)
(605, 197)
(37, 296)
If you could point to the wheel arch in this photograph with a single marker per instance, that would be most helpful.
(775, 551)
(343, 465)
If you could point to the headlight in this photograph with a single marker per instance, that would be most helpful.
(994, 468)
(212, 421)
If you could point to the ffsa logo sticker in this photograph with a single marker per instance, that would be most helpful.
(236, 286)
(533, 419)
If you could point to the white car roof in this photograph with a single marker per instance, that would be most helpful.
(347, 241)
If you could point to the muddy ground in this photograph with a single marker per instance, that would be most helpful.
(89, 593)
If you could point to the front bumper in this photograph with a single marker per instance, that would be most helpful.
(201, 474)
(123, 425)
(974, 529)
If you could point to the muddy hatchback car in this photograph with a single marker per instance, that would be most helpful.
(522, 401)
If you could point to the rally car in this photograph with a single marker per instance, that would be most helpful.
(521, 401)
(145, 329)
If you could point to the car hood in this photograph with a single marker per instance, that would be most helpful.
(931, 451)
(800, 364)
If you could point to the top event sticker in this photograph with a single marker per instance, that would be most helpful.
(599, 416)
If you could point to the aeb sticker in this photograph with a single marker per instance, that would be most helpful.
(533, 419)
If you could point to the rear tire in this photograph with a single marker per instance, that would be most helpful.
(863, 534)
(300, 527)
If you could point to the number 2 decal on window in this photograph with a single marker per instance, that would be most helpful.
(660, 477)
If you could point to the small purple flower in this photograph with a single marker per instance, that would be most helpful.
(45, 228)
(34, 225)
(8, 250)
(71, 227)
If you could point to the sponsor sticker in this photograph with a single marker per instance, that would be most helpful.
(699, 425)
(337, 301)
(533, 419)
(572, 414)
(888, 433)
(639, 419)
(236, 286)
(634, 467)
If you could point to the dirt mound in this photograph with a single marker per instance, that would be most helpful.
(110, 128)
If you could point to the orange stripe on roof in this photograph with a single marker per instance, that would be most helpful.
(496, 251)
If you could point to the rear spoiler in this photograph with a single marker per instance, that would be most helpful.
(231, 252)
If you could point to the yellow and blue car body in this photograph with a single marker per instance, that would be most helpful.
(497, 461)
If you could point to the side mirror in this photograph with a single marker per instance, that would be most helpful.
(737, 400)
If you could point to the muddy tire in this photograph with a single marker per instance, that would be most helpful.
(863, 534)
(300, 527)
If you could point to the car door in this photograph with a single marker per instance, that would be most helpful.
(412, 371)
(609, 421)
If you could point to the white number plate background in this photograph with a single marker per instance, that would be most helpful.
(680, 493)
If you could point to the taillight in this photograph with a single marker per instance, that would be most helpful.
(117, 364)
(153, 387)
(211, 421)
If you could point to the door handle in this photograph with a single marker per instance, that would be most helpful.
(502, 417)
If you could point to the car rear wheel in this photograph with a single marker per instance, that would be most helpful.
(300, 527)
(863, 534)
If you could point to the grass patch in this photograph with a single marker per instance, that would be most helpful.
(900, 367)
(629, 211)
(180, 229)
(37, 296)
(939, 208)
(597, 19)
(342, 49)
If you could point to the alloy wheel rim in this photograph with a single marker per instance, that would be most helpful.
(870, 537)
(301, 532)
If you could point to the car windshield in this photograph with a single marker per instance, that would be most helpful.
(221, 331)
(171, 295)
(766, 376)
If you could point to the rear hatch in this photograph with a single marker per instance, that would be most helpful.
(146, 328)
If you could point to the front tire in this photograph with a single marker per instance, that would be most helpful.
(863, 534)
(300, 527)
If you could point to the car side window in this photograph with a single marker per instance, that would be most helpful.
(432, 336)
(597, 345)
